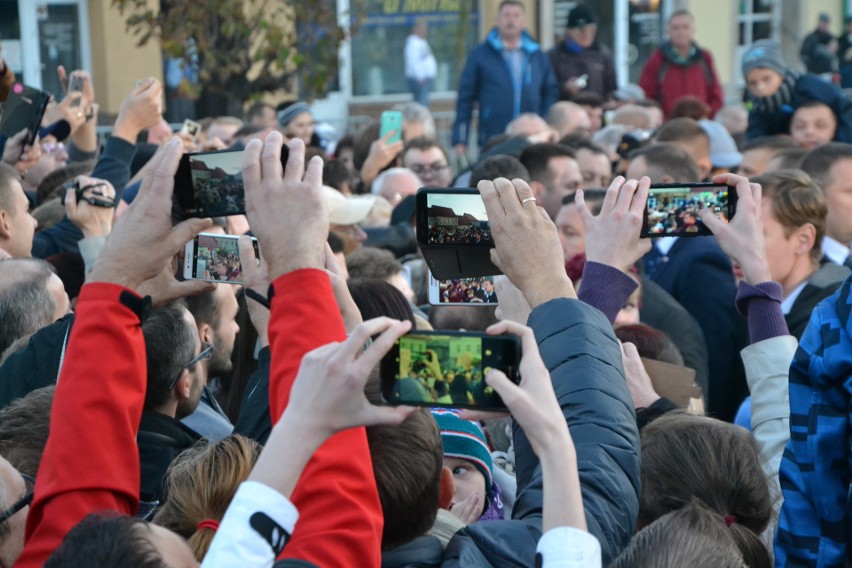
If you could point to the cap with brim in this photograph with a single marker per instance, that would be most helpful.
(343, 210)
(59, 130)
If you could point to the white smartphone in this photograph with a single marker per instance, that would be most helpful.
(477, 291)
(192, 128)
(214, 258)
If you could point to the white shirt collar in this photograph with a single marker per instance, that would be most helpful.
(836, 251)
(788, 302)
(665, 244)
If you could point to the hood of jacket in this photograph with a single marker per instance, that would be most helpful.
(528, 44)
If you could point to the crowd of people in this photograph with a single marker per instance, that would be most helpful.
(682, 401)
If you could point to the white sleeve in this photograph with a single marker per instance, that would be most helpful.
(256, 526)
(411, 59)
(567, 547)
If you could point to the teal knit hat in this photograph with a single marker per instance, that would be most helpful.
(465, 440)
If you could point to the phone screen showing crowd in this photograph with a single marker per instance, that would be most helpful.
(448, 370)
(457, 219)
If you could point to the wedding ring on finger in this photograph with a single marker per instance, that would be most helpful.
(523, 202)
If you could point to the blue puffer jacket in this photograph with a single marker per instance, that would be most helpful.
(584, 359)
(815, 522)
(487, 81)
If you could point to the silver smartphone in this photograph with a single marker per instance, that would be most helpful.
(478, 291)
(214, 258)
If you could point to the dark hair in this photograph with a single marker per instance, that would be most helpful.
(24, 426)
(577, 142)
(690, 106)
(593, 197)
(588, 98)
(71, 269)
(169, 345)
(469, 318)
(500, 165)
(681, 130)
(376, 298)
(336, 174)
(204, 308)
(25, 302)
(818, 162)
(789, 158)
(371, 262)
(407, 463)
(423, 143)
(536, 158)
(107, 540)
(335, 242)
(347, 141)
(686, 457)
(692, 536)
(650, 343)
(361, 143)
(668, 160)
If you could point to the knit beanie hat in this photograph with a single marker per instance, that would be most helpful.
(764, 53)
(290, 112)
(465, 440)
(581, 16)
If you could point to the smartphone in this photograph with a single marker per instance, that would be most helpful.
(75, 85)
(453, 233)
(462, 291)
(192, 128)
(448, 369)
(672, 209)
(391, 120)
(215, 258)
(24, 108)
(210, 184)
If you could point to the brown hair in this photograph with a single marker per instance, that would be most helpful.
(200, 485)
(686, 457)
(407, 464)
(796, 200)
(372, 262)
(24, 426)
(692, 536)
(690, 106)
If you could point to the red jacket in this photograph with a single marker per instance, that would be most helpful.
(340, 515)
(90, 463)
(665, 81)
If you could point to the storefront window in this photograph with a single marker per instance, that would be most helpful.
(378, 64)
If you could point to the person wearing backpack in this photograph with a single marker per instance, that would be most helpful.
(679, 68)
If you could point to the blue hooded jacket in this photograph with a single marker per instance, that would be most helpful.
(487, 81)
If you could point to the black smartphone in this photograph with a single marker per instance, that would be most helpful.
(24, 108)
(672, 209)
(453, 233)
(215, 258)
(447, 369)
(210, 184)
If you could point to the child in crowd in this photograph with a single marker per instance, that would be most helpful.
(467, 455)
(775, 91)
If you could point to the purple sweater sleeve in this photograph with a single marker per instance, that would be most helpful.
(761, 306)
(605, 288)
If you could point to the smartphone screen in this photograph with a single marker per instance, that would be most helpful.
(446, 369)
(215, 258)
(462, 291)
(454, 217)
(672, 209)
(391, 120)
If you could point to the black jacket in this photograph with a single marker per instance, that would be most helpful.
(254, 421)
(822, 284)
(160, 438)
(584, 359)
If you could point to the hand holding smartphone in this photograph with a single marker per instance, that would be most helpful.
(391, 120)
(214, 258)
(448, 369)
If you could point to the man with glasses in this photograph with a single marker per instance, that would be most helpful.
(426, 158)
(173, 352)
(16, 494)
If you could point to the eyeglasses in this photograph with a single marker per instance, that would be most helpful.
(22, 502)
(433, 169)
(206, 353)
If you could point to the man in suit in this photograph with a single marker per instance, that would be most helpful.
(489, 296)
(794, 212)
(830, 166)
(700, 277)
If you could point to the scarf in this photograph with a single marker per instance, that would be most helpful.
(782, 98)
(675, 57)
